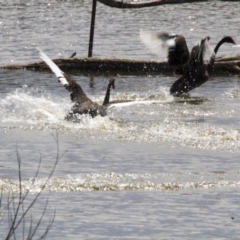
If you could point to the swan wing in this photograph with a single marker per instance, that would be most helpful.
(201, 51)
(55, 69)
(158, 43)
(208, 50)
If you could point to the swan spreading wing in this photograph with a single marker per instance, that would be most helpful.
(203, 50)
(55, 69)
(158, 43)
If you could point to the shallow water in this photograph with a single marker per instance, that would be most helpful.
(158, 168)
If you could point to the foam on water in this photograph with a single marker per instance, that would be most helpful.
(233, 92)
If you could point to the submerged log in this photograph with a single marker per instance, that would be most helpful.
(97, 65)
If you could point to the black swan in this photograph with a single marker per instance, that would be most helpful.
(82, 104)
(194, 72)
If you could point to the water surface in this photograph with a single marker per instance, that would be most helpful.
(158, 168)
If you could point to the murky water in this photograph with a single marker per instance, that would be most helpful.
(158, 168)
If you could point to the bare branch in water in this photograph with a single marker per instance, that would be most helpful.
(15, 202)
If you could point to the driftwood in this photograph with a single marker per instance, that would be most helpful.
(94, 66)
(138, 4)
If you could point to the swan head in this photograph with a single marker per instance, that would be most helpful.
(228, 39)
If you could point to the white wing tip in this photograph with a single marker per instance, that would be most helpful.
(55, 69)
(147, 35)
(41, 53)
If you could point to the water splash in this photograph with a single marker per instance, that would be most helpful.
(151, 118)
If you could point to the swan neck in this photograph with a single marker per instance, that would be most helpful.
(218, 46)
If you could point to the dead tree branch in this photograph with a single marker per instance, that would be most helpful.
(18, 210)
(138, 4)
